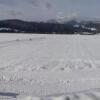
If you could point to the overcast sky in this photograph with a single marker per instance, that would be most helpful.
(42, 10)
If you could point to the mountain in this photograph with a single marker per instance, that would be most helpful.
(52, 26)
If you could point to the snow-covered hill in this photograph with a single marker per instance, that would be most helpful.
(69, 27)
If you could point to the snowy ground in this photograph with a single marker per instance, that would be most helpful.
(52, 67)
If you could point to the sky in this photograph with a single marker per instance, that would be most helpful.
(43, 10)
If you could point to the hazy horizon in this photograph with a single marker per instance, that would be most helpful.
(43, 10)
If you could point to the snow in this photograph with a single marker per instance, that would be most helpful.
(9, 29)
(5, 29)
(93, 29)
(76, 26)
(49, 67)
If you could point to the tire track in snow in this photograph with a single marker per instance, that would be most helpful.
(60, 64)
(82, 63)
(62, 61)
(75, 57)
(88, 53)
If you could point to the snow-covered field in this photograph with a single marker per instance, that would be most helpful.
(49, 67)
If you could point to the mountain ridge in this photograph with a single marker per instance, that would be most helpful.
(69, 27)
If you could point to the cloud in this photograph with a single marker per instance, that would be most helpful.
(48, 9)
(62, 17)
(34, 2)
(26, 9)
(15, 13)
(48, 5)
(8, 2)
(39, 3)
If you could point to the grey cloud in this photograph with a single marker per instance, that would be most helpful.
(47, 9)
(34, 2)
(8, 2)
(38, 3)
(48, 5)
(15, 13)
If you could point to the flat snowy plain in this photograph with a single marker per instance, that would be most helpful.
(49, 67)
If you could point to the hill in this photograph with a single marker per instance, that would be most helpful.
(70, 27)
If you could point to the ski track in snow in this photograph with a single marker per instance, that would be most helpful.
(44, 65)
